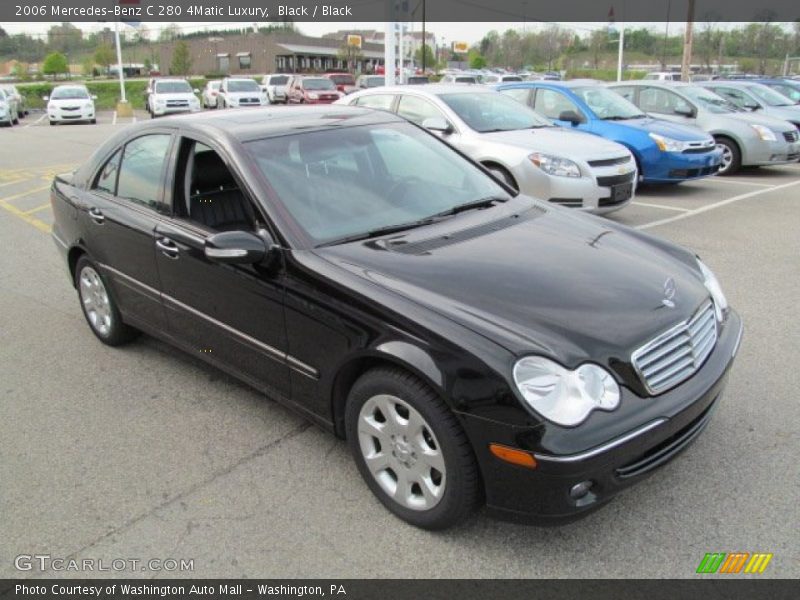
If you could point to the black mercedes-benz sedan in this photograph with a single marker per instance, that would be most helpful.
(472, 345)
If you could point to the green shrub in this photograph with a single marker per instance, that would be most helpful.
(603, 74)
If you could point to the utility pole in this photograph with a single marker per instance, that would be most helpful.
(686, 63)
(423, 37)
(620, 50)
(123, 108)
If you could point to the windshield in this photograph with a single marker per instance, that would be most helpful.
(243, 85)
(709, 100)
(791, 92)
(512, 78)
(343, 79)
(74, 93)
(375, 81)
(493, 112)
(356, 180)
(608, 105)
(318, 84)
(466, 79)
(769, 96)
(214, 85)
(173, 87)
(279, 80)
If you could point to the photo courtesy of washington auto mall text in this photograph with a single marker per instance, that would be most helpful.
(399, 299)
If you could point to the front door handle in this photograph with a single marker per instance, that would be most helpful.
(167, 247)
(96, 215)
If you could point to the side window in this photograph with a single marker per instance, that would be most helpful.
(660, 101)
(417, 110)
(142, 167)
(551, 103)
(380, 101)
(106, 180)
(628, 92)
(735, 96)
(519, 94)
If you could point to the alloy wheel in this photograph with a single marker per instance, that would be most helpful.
(96, 302)
(401, 452)
(727, 157)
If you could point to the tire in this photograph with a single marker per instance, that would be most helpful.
(731, 156)
(503, 175)
(99, 306)
(449, 473)
(52, 123)
(93, 121)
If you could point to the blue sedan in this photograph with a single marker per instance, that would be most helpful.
(665, 152)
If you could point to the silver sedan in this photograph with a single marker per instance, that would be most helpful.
(518, 145)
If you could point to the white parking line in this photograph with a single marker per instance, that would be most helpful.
(716, 205)
(37, 121)
(661, 206)
(735, 182)
(114, 118)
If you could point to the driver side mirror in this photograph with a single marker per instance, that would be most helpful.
(46, 98)
(438, 124)
(94, 96)
(685, 111)
(239, 247)
(570, 116)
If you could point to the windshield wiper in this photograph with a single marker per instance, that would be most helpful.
(480, 203)
(373, 233)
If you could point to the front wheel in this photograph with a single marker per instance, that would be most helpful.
(731, 156)
(99, 306)
(411, 450)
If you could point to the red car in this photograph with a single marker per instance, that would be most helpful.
(313, 90)
(344, 82)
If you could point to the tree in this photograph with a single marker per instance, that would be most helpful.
(477, 61)
(598, 44)
(87, 66)
(169, 33)
(148, 65)
(64, 37)
(181, 59)
(21, 71)
(350, 55)
(55, 64)
(430, 60)
(104, 56)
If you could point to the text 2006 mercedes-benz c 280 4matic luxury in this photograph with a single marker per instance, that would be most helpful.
(472, 344)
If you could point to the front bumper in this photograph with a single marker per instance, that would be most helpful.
(160, 111)
(63, 116)
(779, 152)
(674, 167)
(667, 424)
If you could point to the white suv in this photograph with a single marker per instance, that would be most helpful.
(238, 92)
(275, 85)
(170, 96)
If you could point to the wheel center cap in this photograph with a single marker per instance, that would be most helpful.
(404, 452)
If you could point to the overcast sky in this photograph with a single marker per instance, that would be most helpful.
(467, 32)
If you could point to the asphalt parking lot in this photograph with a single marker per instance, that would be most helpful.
(144, 452)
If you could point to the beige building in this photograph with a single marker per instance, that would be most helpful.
(258, 53)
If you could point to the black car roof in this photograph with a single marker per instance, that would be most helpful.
(255, 123)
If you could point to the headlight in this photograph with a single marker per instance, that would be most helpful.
(765, 133)
(666, 144)
(553, 165)
(161, 102)
(562, 396)
(313, 96)
(714, 288)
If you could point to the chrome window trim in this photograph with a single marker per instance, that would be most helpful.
(571, 458)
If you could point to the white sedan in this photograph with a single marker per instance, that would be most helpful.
(70, 103)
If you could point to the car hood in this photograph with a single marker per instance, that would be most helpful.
(70, 101)
(548, 281)
(181, 96)
(790, 113)
(561, 141)
(253, 94)
(775, 124)
(683, 133)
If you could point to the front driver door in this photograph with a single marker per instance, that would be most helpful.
(231, 315)
(667, 105)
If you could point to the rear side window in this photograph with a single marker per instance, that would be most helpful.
(519, 94)
(626, 92)
(417, 110)
(380, 101)
(107, 178)
(551, 103)
(140, 175)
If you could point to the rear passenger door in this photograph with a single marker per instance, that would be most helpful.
(552, 104)
(119, 212)
(231, 315)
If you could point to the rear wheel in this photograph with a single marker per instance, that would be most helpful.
(731, 156)
(411, 450)
(99, 306)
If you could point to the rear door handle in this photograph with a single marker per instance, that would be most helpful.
(167, 247)
(96, 215)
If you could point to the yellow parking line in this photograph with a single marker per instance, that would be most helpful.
(37, 209)
(8, 199)
(5, 183)
(40, 225)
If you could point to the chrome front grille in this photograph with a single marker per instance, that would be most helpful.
(610, 162)
(677, 354)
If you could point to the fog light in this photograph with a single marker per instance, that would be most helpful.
(579, 490)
